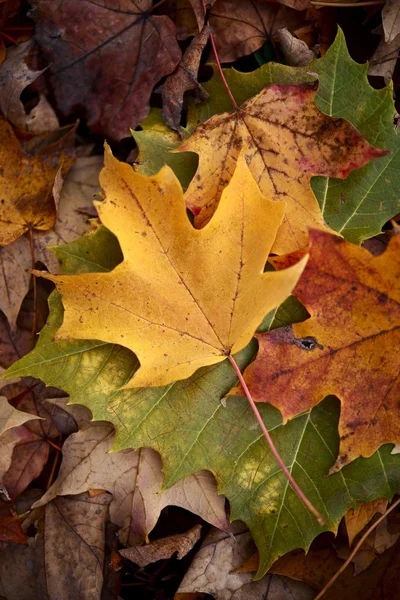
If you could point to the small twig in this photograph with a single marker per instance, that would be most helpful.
(355, 550)
(274, 451)
(34, 280)
(53, 469)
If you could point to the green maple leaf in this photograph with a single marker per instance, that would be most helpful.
(190, 428)
(357, 207)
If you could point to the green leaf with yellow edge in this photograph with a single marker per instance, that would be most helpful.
(182, 298)
(187, 424)
(356, 207)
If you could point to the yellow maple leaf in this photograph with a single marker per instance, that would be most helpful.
(26, 183)
(287, 140)
(182, 298)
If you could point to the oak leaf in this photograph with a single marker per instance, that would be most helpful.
(287, 140)
(345, 348)
(182, 298)
(26, 183)
(105, 58)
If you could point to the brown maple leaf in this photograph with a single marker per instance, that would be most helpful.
(347, 347)
(105, 58)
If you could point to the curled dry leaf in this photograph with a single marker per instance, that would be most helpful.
(221, 304)
(214, 571)
(295, 51)
(105, 59)
(163, 548)
(26, 183)
(183, 80)
(134, 478)
(286, 141)
(15, 76)
(345, 348)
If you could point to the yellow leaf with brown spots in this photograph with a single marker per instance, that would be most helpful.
(182, 298)
(288, 140)
(348, 347)
(26, 183)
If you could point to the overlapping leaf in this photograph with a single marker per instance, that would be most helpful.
(345, 348)
(105, 59)
(186, 423)
(220, 304)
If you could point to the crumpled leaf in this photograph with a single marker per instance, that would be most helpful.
(286, 140)
(15, 76)
(295, 51)
(26, 183)
(184, 79)
(105, 59)
(191, 430)
(213, 570)
(391, 19)
(221, 304)
(134, 478)
(163, 548)
(345, 348)
(65, 559)
(74, 207)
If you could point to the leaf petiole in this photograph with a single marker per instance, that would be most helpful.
(274, 451)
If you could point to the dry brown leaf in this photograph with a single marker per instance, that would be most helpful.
(391, 20)
(15, 76)
(64, 561)
(42, 117)
(183, 80)
(295, 51)
(134, 478)
(105, 58)
(163, 548)
(383, 61)
(11, 417)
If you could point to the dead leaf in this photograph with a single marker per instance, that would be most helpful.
(26, 183)
(42, 117)
(75, 207)
(63, 562)
(183, 80)
(391, 19)
(105, 60)
(239, 28)
(213, 571)
(162, 251)
(134, 478)
(13, 344)
(163, 548)
(383, 62)
(345, 348)
(15, 76)
(287, 140)
(356, 520)
(11, 417)
(295, 51)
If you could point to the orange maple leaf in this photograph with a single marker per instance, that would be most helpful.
(347, 347)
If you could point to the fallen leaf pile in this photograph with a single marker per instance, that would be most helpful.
(219, 235)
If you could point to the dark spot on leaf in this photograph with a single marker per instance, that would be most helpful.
(307, 343)
(382, 298)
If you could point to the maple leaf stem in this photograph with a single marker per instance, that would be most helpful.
(220, 71)
(34, 280)
(274, 451)
(356, 549)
